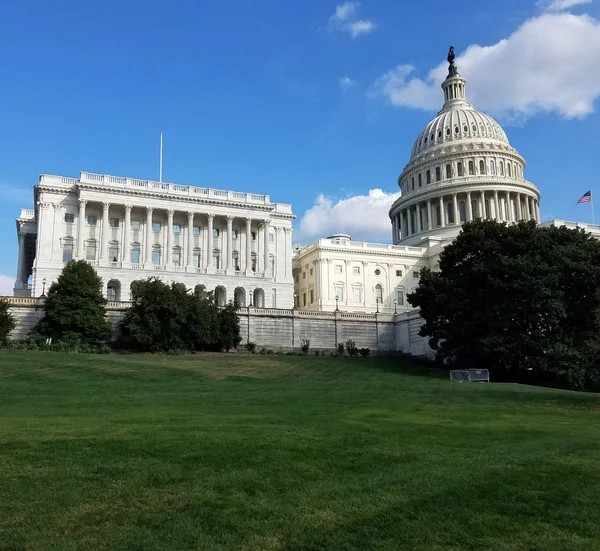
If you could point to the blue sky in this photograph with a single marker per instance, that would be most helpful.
(316, 103)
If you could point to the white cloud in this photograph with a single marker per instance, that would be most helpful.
(346, 82)
(549, 64)
(362, 216)
(561, 5)
(346, 19)
(6, 285)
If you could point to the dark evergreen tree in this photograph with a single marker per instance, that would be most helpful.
(512, 298)
(7, 321)
(74, 306)
(229, 325)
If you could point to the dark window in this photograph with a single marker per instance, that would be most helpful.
(438, 174)
(428, 175)
(448, 171)
(459, 168)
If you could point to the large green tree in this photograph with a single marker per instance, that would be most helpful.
(7, 321)
(516, 298)
(74, 307)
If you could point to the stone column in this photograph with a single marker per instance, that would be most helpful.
(469, 206)
(497, 215)
(288, 252)
(148, 255)
(484, 214)
(266, 245)
(80, 229)
(365, 265)
(190, 243)
(169, 255)
(105, 230)
(537, 211)
(519, 207)
(410, 225)
(229, 265)
(248, 245)
(125, 255)
(455, 207)
(429, 224)
(21, 269)
(528, 206)
(209, 242)
(442, 213)
(394, 229)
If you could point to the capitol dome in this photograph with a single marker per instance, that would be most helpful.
(461, 167)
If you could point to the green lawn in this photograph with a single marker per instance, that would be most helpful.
(286, 453)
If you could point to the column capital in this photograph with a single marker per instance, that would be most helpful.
(211, 217)
(82, 202)
(170, 213)
(58, 206)
(190, 214)
(287, 230)
(105, 205)
(229, 218)
(277, 229)
(365, 263)
(127, 208)
(149, 210)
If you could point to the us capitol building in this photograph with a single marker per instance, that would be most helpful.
(239, 245)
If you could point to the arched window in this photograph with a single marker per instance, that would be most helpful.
(508, 168)
(474, 208)
(419, 178)
(492, 167)
(216, 258)
(450, 213)
(462, 211)
(200, 291)
(239, 297)
(67, 250)
(438, 213)
(220, 295)
(339, 291)
(481, 167)
(448, 171)
(113, 290)
(428, 176)
(471, 168)
(156, 255)
(438, 174)
(501, 168)
(176, 256)
(459, 168)
(413, 182)
(379, 293)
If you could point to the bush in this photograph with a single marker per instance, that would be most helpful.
(351, 347)
(317, 352)
(74, 307)
(340, 348)
(305, 346)
(364, 352)
(7, 322)
(250, 347)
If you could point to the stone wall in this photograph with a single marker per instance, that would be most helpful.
(285, 329)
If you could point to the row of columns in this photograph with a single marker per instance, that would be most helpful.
(526, 206)
(149, 241)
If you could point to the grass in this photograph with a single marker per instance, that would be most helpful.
(288, 453)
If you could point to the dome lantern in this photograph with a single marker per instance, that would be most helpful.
(454, 86)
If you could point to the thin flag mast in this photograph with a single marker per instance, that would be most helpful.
(160, 161)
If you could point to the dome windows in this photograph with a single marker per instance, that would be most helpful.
(456, 130)
(439, 134)
(481, 167)
(447, 132)
(501, 168)
(465, 128)
(471, 168)
(474, 128)
(448, 171)
(438, 174)
(492, 167)
(425, 139)
(420, 180)
(509, 170)
(428, 176)
(459, 168)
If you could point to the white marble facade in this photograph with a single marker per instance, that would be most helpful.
(235, 244)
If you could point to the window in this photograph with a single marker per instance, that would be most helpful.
(416, 275)
(303, 275)
(253, 261)
(135, 256)
(297, 279)
(377, 271)
(492, 167)
(215, 232)
(462, 212)
(339, 291)
(111, 293)
(312, 296)
(509, 170)
(155, 226)
(304, 298)
(271, 238)
(356, 294)
(465, 128)
(438, 174)
(456, 130)
(481, 167)
(471, 168)
(459, 168)
(447, 132)
(176, 228)
(428, 176)
(90, 251)
(399, 297)
(311, 271)
(235, 234)
(450, 214)
(67, 252)
(177, 257)
(398, 273)
(69, 218)
(413, 182)
(113, 254)
(253, 235)
(113, 222)
(378, 293)
(356, 270)
(196, 230)
(92, 220)
(419, 178)
(216, 260)
(135, 225)
(338, 269)
(156, 257)
(196, 259)
(236, 261)
(448, 171)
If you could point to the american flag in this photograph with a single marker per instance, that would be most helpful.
(585, 198)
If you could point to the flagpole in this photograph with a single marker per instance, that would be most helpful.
(160, 162)
(592, 204)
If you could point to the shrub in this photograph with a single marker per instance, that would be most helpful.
(7, 322)
(305, 346)
(340, 348)
(317, 352)
(364, 352)
(351, 347)
(250, 347)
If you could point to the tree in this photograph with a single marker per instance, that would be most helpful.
(512, 298)
(74, 307)
(7, 321)
(229, 325)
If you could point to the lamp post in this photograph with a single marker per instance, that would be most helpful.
(336, 303)
(395, 307)
(43, 295)
(377, 302)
